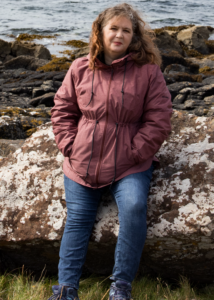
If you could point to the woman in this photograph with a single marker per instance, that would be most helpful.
(111, 115)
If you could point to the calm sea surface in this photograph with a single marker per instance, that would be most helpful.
(73, 19)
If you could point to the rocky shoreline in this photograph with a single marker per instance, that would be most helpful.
(30, 76)
(180, 220)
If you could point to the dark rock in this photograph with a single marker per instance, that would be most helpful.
(57, 84)
(176, 87)
(11, 128)
(164, 41)
(46, 99)
(5, 48)
(60, 77)
(180, 77)
(208, 80)
(17, 123)
(171, 57)
(10, 99)
(179, 99)
(178, 106)
(38, 92)
(26, 62)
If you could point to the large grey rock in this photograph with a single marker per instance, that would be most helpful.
(180, 237)
(195, 37)
(31, 49)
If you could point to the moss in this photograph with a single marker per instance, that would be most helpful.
(173, 28)
(210, 45)
(191, 52)
(17, 112)
(204, 69)
(13, 112)
(69, 53)
(29, 132)
(56, 64)
(76, 43)
(31, 37)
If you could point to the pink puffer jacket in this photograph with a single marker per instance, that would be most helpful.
(110, 123)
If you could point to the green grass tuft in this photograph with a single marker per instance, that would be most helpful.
(25, 287)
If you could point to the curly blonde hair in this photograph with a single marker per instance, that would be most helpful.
(142, 45)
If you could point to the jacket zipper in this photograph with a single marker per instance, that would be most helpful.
(104, 134)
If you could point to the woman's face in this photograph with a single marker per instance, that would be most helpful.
(117, 36)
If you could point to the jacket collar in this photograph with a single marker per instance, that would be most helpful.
(116, 63)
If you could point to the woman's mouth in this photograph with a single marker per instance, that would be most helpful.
(117, 43)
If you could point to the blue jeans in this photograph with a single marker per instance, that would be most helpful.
(130, 194)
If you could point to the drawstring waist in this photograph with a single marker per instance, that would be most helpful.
(116, 124)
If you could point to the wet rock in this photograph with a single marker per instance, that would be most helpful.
(180, 236)
(26, 62)
(194, 38)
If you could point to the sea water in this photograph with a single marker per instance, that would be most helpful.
(73, 19)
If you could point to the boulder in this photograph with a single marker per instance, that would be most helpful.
(194, 38)
(81, 52)
(25, 61)
(5, 48)
(164, 40)
(205, 62)
(171, 57)
(180, 236)
(18, 123)
(46, 99)
(31, 49)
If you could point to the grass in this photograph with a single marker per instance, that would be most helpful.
(25, 287)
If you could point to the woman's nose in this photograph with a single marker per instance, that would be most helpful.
(120, 33)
